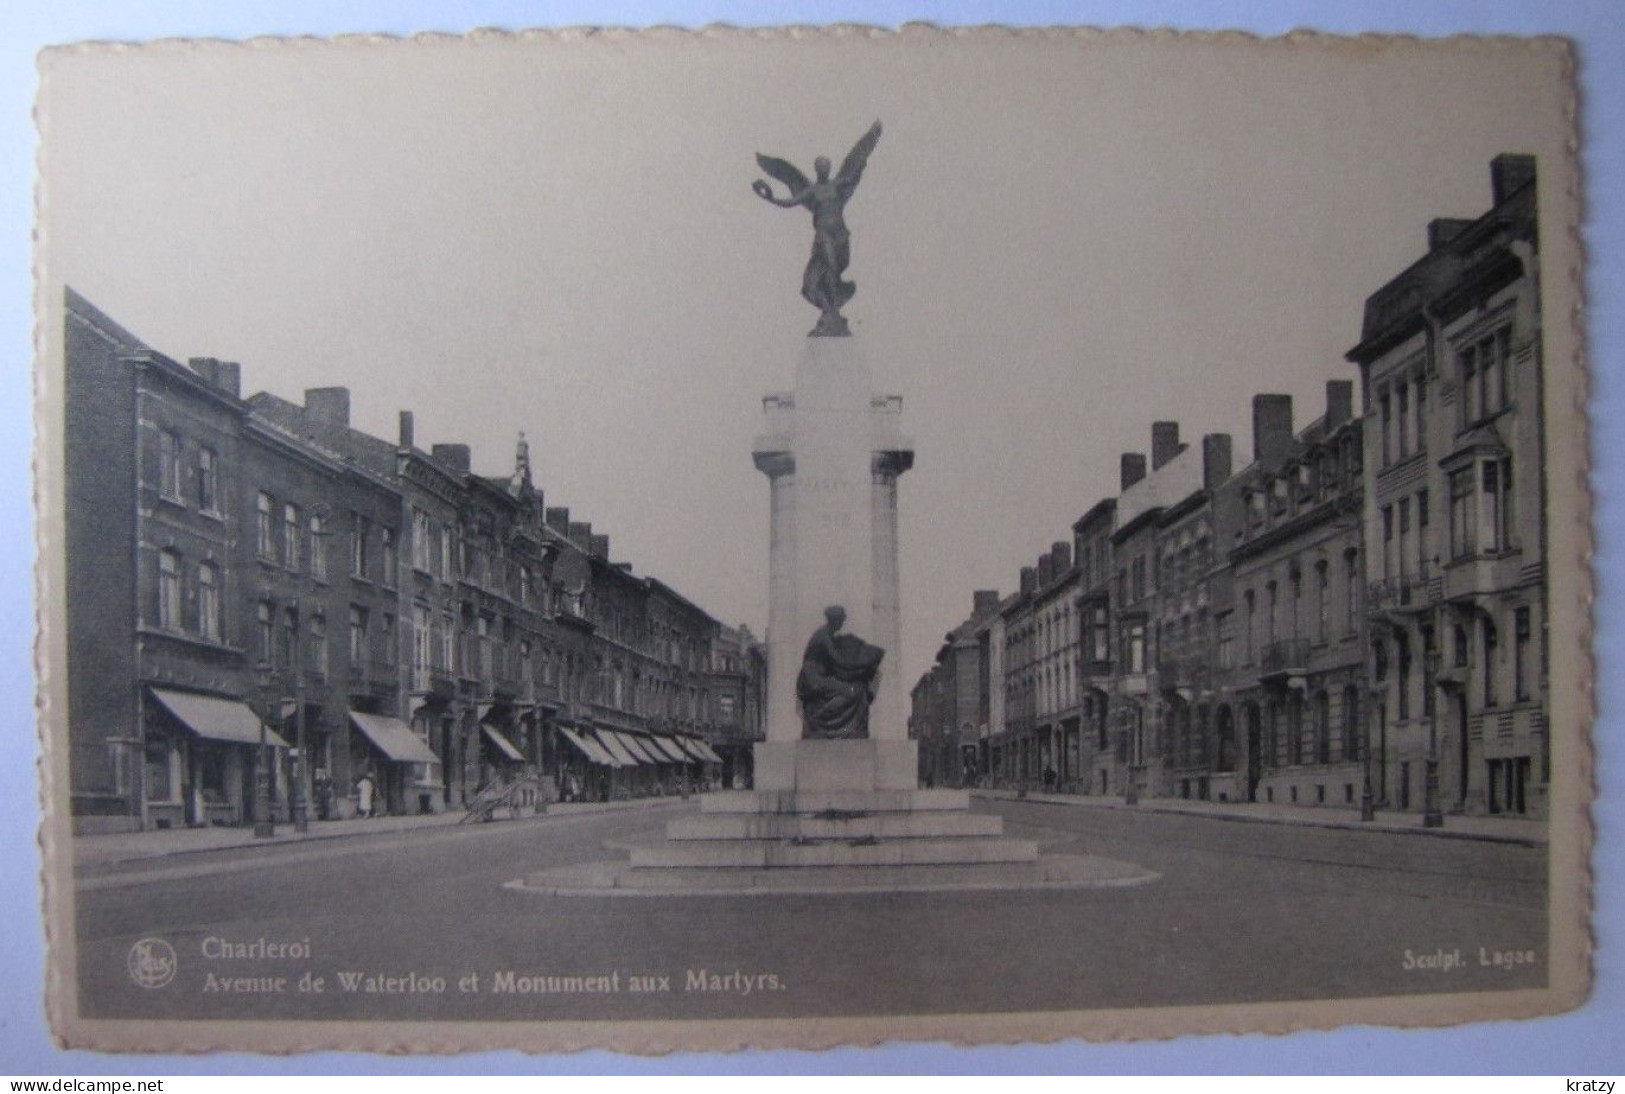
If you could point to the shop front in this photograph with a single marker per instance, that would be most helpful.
(397, 759)
(202, 754)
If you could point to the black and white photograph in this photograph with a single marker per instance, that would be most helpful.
(659, 540)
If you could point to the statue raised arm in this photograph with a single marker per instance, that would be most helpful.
(822, 284)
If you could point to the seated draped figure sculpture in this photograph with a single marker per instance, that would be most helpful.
(837, 681)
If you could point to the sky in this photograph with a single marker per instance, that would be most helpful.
(560, 238)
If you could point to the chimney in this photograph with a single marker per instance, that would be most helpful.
(1164, 443)
(1046, 570)
(1442, 230)
(1029, 580)
(1339, 402)
(598, 547)
(328, 404)
(1509, 173)
(455, 456)
(1215, 460)
(1060, 555)
(558, 519)
(1272, 427)
(223, 375)
(406, 429)
(984, 602)
(580, 534)
(1132, 468)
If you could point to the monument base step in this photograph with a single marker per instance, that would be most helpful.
(932, 824)
(757, 854)
(834, 801)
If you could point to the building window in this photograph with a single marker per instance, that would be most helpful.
(318, 645)
(1387, 427)
(422, 541)
(483, 636)
(1323, 728)
(390, 553)
(358, 636)
(1497, 478)
(422, 645)
(1403, 393)
(447, 568)
(1402, 646)
(1387, 541)
(1248, 632)
(1421, 414)
(1484, 367)
(387, 643)
(169, 590)
(1351, 567)
(1491, 642)
(208, 481)
(1463, 514)
(1422, 533)
(1269, 620)
(1521, 636)
(359, 532)
(448, 642)
(291, 536)
(1225, 640)
(1402, 553)
(288, 639)
(1323, 608)
(1351, 723)
(264, 616)
(1134, 647)
(264, 530)
(1430, 661)
(208, 601)
(318, 548)
(169, 464)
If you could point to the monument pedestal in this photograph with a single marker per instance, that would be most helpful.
(837, 765)
(833, 452)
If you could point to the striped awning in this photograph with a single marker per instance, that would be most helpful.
(668, 748)
(705, 751)
(503, 745)
(591, 749)
(616, 747)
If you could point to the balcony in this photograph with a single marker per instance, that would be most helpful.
(1184, 676)
(1285, 662)
(1405, 594)
(435, 683)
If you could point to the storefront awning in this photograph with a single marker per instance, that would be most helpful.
(645, 748)
(618, 748)
(216, 719)
(669, 749)
(394, 738)
(707, 754)
(503, 745)
(592, 750)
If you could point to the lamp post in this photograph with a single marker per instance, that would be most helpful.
(1368, 794)
(264, 828)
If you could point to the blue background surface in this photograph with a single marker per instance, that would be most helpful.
(1585, 1042)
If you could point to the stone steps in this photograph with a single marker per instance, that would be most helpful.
(834, 801)
(933, 824)
(758, 854)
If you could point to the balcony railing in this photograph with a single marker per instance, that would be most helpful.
(1183, 672)
(1285, 656)
(1410, 592)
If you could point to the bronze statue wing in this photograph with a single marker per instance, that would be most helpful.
(784, 171)
(852, 167)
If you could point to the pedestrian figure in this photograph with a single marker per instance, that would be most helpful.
(365, 791)
(1049, 780)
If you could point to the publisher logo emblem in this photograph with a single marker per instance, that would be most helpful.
(152, 963)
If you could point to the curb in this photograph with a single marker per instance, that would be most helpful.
(278, 843)
(1298, 822)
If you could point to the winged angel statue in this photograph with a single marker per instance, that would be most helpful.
(822, 285)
